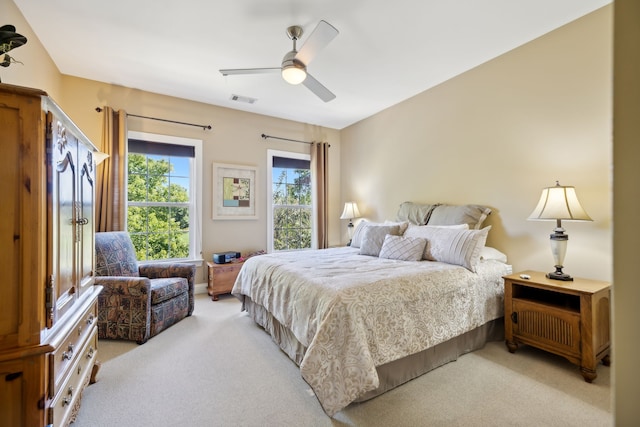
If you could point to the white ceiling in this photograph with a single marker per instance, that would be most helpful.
(386, 52)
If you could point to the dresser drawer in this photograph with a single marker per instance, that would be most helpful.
(67, 401)
(64, 356)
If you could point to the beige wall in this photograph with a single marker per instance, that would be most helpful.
(37, 68)
(626, 156)
(498, 134)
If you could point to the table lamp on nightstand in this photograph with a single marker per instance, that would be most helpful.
(559, 203)
(350, 212)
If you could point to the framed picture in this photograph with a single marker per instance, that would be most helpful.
(234, 191)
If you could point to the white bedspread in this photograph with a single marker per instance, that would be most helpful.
(355, 312)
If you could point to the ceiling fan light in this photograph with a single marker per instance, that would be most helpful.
(293, 74)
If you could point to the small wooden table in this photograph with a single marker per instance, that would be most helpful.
(222, 277)
(571, 319)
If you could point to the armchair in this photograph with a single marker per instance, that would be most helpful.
(138, 301)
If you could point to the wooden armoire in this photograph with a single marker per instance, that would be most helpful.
(48, 301)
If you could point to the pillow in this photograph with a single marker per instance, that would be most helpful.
(474, 215)
(373, 238)
(356, 239)
(415, 213)
(422, 231)
(488, 253)
(455, 246)
(402, 248)
(403, 225)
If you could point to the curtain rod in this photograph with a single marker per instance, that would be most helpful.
(287, 139)
(204, 127)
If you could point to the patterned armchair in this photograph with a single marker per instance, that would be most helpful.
(138, 301)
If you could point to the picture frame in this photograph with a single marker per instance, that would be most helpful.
(234, 192)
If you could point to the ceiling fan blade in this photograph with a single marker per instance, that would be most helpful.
(316, 87)
(233, 71)
(319, 38)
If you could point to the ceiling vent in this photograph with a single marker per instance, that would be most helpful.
(245, 99)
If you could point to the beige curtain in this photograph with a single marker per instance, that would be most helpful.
(319, 171)
(110, 181)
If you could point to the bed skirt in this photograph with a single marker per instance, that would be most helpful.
(394, 373)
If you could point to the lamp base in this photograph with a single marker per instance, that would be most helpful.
(559, 275)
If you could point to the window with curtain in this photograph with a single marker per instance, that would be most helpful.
(291, 203)
(162, 187)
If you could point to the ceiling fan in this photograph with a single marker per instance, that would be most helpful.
(294, 64)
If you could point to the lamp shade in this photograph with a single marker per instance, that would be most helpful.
(559, 202)
(350, 211)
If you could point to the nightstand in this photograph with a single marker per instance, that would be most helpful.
(571, 319)
(222, 277)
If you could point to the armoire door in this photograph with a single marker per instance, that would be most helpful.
(62, 238)
(85, 222)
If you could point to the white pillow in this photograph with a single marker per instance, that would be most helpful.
(488, 253)
(453, 246)
(373, 238)
(402, 248)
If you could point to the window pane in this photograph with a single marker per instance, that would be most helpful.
(179, 190)
(137, 219)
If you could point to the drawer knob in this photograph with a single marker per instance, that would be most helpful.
(68, 355)
(67, 399)
(90, 319)
(90, 352)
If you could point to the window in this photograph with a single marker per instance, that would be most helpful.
(164, 179)
(290, 214)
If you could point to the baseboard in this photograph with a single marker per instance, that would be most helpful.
(200, 288)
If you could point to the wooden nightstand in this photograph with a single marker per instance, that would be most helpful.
(570, 319)
(222, 277)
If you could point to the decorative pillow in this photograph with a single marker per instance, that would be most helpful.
(402, 248)
(488, 253)
(455, 246)
(414, 213)
(356, 239)
(373, 238)
(474, 215)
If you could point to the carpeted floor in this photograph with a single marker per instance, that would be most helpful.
(217, 368)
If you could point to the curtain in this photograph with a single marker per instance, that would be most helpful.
(319, 172)
(111, 174)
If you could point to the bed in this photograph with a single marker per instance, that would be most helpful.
(404, 298)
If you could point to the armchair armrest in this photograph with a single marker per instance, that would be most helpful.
(163, 270)
(124, 308)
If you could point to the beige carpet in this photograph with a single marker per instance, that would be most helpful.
(217, 368)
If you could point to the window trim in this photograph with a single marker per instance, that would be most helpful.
(195, 194)
(293, 155)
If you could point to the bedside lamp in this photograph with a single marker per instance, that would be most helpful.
(559, 203)
(350, 212)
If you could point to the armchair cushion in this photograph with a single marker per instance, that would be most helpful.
(115, 255)
(165, 289)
